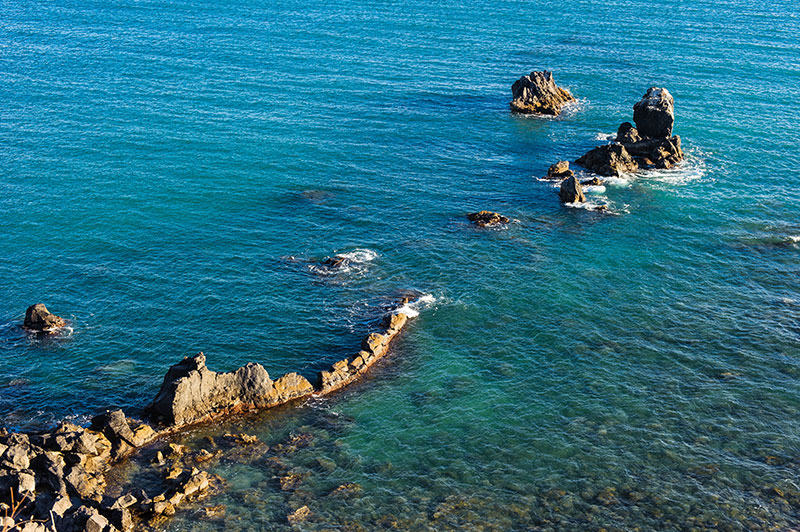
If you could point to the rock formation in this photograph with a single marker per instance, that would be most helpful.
(191, 392)
(487, 218)
(648, 145)
(38, 318)
(610, 160)
(537, 93)
(571, 191)
(559, 171)
(654, 114)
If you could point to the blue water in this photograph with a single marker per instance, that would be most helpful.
(169, 172)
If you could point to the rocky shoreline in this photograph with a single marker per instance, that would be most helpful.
(56, 480)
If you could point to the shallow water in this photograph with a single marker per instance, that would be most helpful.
(170, 172)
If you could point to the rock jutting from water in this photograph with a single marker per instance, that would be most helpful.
(648, 145)
(559, 171)
(39, 319)
(571, 191)
(487, 218)
(56, 480)
(537, 93)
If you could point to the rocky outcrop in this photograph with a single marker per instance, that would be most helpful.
(487, 218)
(38, 318)
(191, 392)
(654, 114)
(538, 93)
(609, 160)
(374, 347)
(648, 145)
(59, 475)
(571, 191)
(559, 171)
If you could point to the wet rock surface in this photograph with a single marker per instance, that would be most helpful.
(39, 319)
(537, 93)
(609, 160)
(559, 171)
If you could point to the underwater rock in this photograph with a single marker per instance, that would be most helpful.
(654, 114)
(301, 514)
(38, 318)
(487, 218)
(191, 392)
(609, 160)
(559, 170)
(571, 191)
(538, 93)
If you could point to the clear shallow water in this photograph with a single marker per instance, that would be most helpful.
(161, 162)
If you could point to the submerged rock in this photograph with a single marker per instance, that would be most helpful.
(38, 318)
(654, 114)
(487, 218)
(571, 191)
(538, 93)
(609, 160)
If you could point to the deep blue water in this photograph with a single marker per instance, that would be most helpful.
(160, 162)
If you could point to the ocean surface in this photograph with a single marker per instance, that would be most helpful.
(171, 173)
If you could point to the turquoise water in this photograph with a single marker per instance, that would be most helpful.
(162, 162)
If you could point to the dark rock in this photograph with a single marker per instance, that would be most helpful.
(659, 153)
(38, 318)
(336, 261)
(627, 134)
(593, 182)
(487, 218)
(571, 191)
(537, 93)
(114, 425)
(191, 392)
(121, 519)
(609, 160)
(125, 501)
(558, 171)
(654, 114)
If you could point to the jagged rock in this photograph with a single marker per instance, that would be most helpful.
(337, 261)
(211, 512)
(571, 191)
(191, 392)
(593, 182)
(627, 134)
(96, 523)
(487, 218)
(27, 483)
(659, 153)
(609, 160)
(537, 93)
(654, 114)
(121, 519)
(38, 318)
(16, 457)
(559, 170)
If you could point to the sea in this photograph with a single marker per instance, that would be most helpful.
(174, 173)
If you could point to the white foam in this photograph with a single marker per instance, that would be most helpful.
(359, 256)
(594, 189)
(413, 308)
(794, 238)
(605, 136)
(622, 181)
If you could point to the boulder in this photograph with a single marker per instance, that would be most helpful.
(659, 153)
(571, 191)
(487, 218)
(38, 318)
(559, 171)
(609, 160)
(654, 114)
(538, 93)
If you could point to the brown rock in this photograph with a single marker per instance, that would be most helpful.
(301, 514)
(487, 218)
(538, 93)
(609, 160)
(654, 114)
(558, 171)
(38, 318)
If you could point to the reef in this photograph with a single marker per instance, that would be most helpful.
(538, 93)
(56, 480)
(38, 318)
